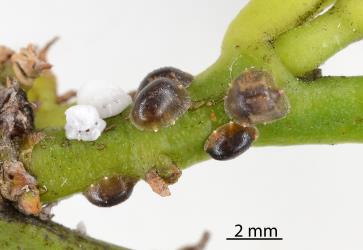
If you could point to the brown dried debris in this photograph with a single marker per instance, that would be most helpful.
(66, 96)
(157, 184)
(15, 180)
(159, 179)
(201, 244)
(16, 113)
(30, 62)
(16, 124)
(5, 54)
(170, 174)
(17, 185)
(43, 52)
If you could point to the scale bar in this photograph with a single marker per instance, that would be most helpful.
(241, 238)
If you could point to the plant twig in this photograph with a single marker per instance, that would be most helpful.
(326, 110)
(25, 232)
(306, 47)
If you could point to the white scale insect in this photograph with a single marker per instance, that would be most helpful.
(108, 99)
(83, 123)
(96, 100)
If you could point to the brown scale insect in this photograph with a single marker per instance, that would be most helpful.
(159, 104)
(253, 98)
(110, 191)
(229, 141)
(171, 73)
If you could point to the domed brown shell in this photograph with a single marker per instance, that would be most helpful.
(110, 191)
(229, 141)
(253, 98)
(159, 104)
(167, 72)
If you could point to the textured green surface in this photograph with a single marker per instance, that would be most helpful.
(27, 233)
(44, 92)
(326, 111)
(324, 36)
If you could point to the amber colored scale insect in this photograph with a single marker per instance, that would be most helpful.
(110, 191)
(161, 99)
(253, 98)
(229, 141)
(159, 104)
(171, 73)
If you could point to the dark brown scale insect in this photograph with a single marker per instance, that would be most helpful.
(229, 141)
(110, 191)
(159, 104)
(167, 72)
(253, 98)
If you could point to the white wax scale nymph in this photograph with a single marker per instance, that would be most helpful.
(108, 99)
(83, 123)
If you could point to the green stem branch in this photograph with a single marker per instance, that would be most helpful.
(306, 47)
(24, 232)
(332, 117)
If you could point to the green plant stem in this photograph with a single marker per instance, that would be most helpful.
(24, 232)
(306, 47)
(44, 93)
(326, 111)
(264, 20)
